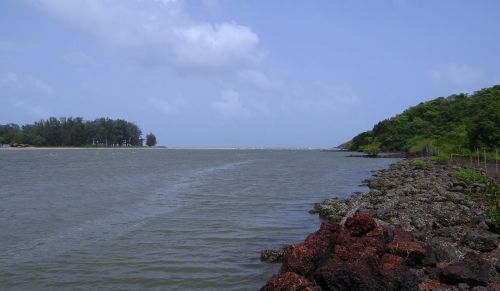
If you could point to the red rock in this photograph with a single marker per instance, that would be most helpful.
(360, 224)
(288, 282)
(391, 262)
(379, 232)
(363, 273)
(358, 274)
(366, 246)
(341, 252)
(363, 256)
(401, 235)
(304, 257)
(412, 252)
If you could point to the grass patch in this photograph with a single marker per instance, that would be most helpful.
(470, 176)
(418, 164)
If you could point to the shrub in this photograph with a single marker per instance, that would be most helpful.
(491, 192)
(471, 176)
(441, 159)
(371, 149)
(418, 164)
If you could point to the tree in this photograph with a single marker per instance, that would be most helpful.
(371, 149)
(150, 140)
(445, 125)
(69, 131)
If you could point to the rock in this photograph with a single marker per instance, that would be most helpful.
(363, 274)
(354, 256)
(303, 258)
(360, 224)
(493, 227)
(472, 270)
(272, 256)
(481, 240)
(391, 262)
(368, 243)
(288, 281)
(412, 252)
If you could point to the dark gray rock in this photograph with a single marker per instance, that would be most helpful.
(272, 256)
(472, 270)
(481, 240)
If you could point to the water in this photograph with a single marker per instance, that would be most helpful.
(166, 219)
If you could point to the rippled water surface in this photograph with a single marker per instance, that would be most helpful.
(158, 218)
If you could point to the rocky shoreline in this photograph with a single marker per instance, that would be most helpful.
(416, 229)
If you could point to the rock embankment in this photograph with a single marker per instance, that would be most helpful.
(416, 229)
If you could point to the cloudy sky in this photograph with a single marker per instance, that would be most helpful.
(248, 73)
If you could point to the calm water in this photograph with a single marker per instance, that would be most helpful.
(165, 219)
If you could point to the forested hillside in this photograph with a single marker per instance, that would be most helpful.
(73, 132)
(459, 123)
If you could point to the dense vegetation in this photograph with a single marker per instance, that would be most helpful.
(73, 132)
(456, 124)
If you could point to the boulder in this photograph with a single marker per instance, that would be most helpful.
(472, 270)
(481, 240)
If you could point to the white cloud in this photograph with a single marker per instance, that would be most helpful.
(161, 29)
(257, 79)
(230, 104)
(220, 45)
(460, 75)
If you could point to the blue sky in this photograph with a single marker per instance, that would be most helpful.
(243, 73)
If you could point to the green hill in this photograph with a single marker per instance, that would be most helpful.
(459, 123)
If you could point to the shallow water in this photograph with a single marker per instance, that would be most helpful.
(159, 218)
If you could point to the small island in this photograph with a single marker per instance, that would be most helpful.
(75, 132)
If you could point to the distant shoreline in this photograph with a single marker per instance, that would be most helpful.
(156, 148)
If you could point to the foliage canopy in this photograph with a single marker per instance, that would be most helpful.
(458, 123)
(73, 132)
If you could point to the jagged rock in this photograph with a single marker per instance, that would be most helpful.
(360, 224)
(357, 256)
(412, 252)
(481, 240)
(303, 258)
(472, 270)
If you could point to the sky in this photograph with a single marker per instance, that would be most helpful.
(242, 73)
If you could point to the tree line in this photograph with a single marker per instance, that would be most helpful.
(459, 123)
(74, 132)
